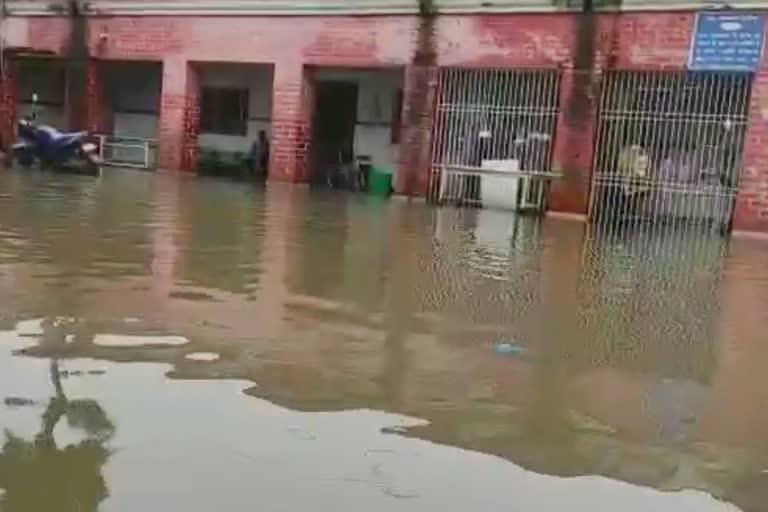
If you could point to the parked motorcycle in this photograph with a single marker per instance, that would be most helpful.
(53, 149)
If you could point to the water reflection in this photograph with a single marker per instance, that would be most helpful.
(39, 473)
(223, 225)
(641, 356)
(245, 451)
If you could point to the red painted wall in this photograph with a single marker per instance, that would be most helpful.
(752, 203)
(7, 109)
(581, 47)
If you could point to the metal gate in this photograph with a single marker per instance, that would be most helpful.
(493, 137)
(669, 148)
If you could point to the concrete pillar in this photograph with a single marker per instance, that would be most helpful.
(293, 105)
(179, 116)
(8, 106)
(419, 97)
(751, 211)
(573, 152)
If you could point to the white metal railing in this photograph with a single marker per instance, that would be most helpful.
(495, 185)
(123, 151)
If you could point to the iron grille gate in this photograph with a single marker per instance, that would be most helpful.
(669, 148)
(493, 137)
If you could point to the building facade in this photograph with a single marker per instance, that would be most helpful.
(159, 69)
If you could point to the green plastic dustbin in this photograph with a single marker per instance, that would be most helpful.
(380, 182)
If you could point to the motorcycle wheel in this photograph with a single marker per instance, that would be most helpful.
(25, 160)
(92, 165)
(84, 163)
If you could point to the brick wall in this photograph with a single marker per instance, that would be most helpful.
(7, 107)
(191, 129)
(582, 48)
(179, 115)
(98, 115)
(573, 150)
(751, 213)
(293, 94)
(416, 134)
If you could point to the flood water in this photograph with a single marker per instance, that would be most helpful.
(170, 343)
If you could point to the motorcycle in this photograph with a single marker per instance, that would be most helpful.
(53, 149)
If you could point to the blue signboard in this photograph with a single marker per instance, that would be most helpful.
(727, 41)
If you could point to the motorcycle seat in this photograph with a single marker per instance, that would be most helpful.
(62, 139)
(67, 138)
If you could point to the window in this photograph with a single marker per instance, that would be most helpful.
(224, 111)
(44, 78)
(134, 88)
(397, 116)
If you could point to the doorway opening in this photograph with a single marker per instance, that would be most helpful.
(355, 127)
(132, 90)
(333, 136)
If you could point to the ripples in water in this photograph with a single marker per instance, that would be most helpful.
(365, 334)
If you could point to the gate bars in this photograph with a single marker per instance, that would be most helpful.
(669, 148)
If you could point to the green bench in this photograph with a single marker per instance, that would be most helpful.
(222, 163)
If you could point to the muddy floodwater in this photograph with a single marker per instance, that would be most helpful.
(170, 343)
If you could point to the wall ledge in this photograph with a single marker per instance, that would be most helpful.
(751, 235)
(347, 7)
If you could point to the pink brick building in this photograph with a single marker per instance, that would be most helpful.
(292, 45)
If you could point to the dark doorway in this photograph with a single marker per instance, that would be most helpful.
(333, 137)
